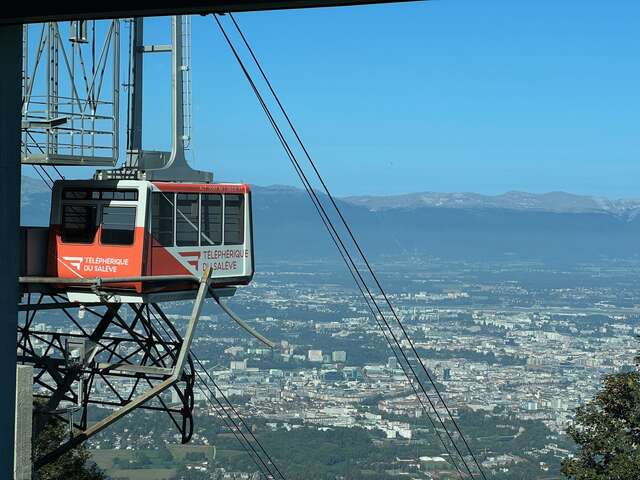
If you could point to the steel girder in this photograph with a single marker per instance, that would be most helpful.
(114, 356)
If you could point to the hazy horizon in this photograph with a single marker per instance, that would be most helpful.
(34, 176)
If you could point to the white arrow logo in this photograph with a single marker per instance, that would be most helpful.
(74, 261)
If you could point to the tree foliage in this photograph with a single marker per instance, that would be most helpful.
(607, 432)
(73, 465)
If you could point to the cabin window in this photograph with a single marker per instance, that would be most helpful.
(187, 219)
(78, 223)
(233, 219)
(162, 218)
(74, 194)
(109, 194)
(118, 225)
(211, 219)
(118, 194)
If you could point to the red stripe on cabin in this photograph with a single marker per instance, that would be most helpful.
(164, 263)
(193, 262)
(202, 187)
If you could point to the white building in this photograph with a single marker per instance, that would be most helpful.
(239, 364)
(339, 356)
(315, 355)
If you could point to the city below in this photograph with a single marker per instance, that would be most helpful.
(515, 348)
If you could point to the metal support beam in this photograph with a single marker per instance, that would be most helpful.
(241, 322)
(24, 416)
(176, 166)
(134, 135)
(152, 392)
(47, 11)
(10, 98)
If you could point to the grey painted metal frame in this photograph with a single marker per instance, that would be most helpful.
(157, 165)
(10, 95)
(248, 328)
(45, 12)
(147, 351)
(71, 94)
(24, 409)
(68, 365)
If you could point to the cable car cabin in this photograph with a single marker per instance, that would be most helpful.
(134, 228)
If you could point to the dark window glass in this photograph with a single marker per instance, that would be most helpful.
(162, 218)
(119, 194)
(233, 219)
(118, 225)
(78, 223)
(72, 194)
(211, 219)
(186, 219)
(111, 194)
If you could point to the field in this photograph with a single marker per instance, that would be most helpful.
(153, 464)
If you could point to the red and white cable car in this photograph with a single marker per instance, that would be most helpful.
(137, 228)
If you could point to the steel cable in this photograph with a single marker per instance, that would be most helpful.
(319, 206)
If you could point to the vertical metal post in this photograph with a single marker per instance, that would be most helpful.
(134, 135)
(52, 91)
(115, 142)
(177, 117)
(24, 412)
(156, 165)
(10, 100)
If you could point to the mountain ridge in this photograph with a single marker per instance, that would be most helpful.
(559, 228)
(556, 201)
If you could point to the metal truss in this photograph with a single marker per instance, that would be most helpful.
(112, 355)
(70, 93)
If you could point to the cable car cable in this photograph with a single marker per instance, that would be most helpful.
(260, 462)
(235, 429)
(386, 337)
(228, 415)
(315, 201)
(352, 236)
(406, 374)
(41, 177)
(44, 170)
(235, 411)
(312, 192)
(58, 172)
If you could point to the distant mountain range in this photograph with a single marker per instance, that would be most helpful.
(556, 227)
(558, 202)
(553, 227)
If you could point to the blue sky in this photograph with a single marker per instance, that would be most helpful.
(446, 95)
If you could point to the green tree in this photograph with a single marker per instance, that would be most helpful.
(607, 432)
(73, 465)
